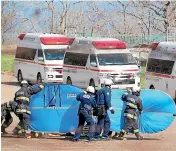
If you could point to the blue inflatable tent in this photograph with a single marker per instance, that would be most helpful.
(55, 108)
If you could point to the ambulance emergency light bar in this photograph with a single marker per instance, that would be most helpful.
(165, 48)
(109, 44)
(154, 45)
(56, 40)
(52, 40)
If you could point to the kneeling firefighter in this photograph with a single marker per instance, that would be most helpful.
(85, 113)
(6, 109)
(21, 103)
(133, 104)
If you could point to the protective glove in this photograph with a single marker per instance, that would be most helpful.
(85, 92)
(41, 86)
(111, 110)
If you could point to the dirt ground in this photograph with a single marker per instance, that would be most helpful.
(163, 141)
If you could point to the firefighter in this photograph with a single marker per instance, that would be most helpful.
(103, 98)
(116, 134)
(21, 101)
(6, 109)
(87, 104)
(133, 104)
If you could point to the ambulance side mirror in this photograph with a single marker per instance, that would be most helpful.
(93, 64)
(40, 59)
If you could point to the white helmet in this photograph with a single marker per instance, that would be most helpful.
(136, 89)
(24, 82)
(91, 89)
(108, 82)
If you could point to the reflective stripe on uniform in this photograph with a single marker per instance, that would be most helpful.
(23, 111)
(22, 98)
(9, 108)
(136, 131)
(131, 105)
(130, 115)
(8, 105)
(123, 131)
(23, 130)
(4, 125)
(18, 126)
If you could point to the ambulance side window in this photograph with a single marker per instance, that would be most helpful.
(77, 59)
(25, 53)
(93, 61)
(40, 55)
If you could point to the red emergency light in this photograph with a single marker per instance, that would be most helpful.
(109, 44)
(56, 40)
(154, 45)
(21, 36)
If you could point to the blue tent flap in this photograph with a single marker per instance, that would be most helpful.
(55, 109)
(157, 115)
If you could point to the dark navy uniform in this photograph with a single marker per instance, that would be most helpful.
(133, 104)
(6, 109)
(103, 98)
(22, 98)
(86, 114)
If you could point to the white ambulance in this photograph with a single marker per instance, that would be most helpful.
(91, 60)
(161, 68)
(39, 57)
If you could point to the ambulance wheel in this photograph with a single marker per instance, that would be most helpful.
(152, 87)
(69, 81)
(92, 83)
(19, 76)
(39, 78)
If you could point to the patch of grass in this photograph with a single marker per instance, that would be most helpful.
(7, 62)
(142, 84)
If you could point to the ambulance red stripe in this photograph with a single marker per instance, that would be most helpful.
(159, 75)
(97, 70)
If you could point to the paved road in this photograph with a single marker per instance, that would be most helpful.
(163, 141)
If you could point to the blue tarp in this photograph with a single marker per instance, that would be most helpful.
(55, 108)
(157, 115)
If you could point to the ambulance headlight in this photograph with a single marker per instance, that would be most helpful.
(103, 75)
(47, 69)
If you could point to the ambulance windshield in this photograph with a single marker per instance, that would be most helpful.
(54, 54)
(116, 59)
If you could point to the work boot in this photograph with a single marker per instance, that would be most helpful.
(110, 133)
(105, 138)
(3, 131)
(115, 135)
(69, 134)
(15, 131)
(139, 137)
(121, 135)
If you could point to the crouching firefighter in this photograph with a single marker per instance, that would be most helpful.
(21, 101)
(103, 98)
(6, 118)
(87, 104)
(133, 104)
